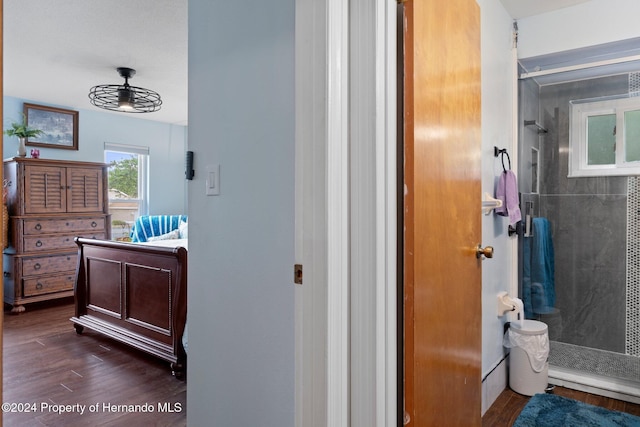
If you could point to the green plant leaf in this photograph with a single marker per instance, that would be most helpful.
(21, 130)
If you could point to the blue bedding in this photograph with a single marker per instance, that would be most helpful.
(147, 226)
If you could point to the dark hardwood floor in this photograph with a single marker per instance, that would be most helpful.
(509, 404)
(47, 365)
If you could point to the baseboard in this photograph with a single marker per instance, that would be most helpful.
(595, 384)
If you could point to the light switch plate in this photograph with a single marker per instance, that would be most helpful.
(212, 181)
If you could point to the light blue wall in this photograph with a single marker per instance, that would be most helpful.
(497, 123)
(241, 291)
(166, 142)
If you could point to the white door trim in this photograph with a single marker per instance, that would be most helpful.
(373, 210)
(386, 209)
(338, 213)
(322, 238)
(330, 320)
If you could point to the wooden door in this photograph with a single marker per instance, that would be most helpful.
(442, 216)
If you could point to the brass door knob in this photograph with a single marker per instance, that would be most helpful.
(487, 251)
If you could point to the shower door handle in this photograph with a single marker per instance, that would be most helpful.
(487, 252)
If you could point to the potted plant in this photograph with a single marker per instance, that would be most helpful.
(22, 131)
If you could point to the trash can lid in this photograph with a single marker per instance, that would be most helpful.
(529, 327)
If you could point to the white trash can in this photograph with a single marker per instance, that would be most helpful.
(528, 364)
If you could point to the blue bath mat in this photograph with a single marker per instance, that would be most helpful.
(549, 410)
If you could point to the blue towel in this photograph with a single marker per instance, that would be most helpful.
(538, 276)
(154, 225)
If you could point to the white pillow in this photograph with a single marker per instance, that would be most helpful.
(175, 234)
(184, 230)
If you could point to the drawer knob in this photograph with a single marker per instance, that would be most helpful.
(38, 227)
(37, 266)
(6, 274)
(39, 286)
(94, 224)
(38, 244)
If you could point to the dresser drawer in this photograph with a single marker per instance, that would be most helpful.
(56, 242)
(49, 264)
(48, 226)
(47, 285)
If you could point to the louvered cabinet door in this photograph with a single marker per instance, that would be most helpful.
(45, 189)
(84, 190)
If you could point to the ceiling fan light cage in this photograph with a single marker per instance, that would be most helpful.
(109, 97)
(124, 97)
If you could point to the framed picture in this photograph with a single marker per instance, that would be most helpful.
(59, 126)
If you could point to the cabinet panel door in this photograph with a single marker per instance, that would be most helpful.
(85, 190)
(45, 189)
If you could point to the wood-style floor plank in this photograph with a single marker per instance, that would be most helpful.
(505, 410)
(46, 363)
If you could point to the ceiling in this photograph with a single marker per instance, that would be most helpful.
(55, 51)
(522, 8)
(607, 59)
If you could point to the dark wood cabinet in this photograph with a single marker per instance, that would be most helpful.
(50, 202)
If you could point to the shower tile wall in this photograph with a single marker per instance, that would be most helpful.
(588, 218)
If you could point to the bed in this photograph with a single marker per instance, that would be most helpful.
(135, 293)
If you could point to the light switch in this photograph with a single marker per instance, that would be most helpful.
(212, 181)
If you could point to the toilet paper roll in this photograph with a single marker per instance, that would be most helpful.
(517, 315)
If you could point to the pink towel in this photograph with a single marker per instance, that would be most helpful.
(507, 191)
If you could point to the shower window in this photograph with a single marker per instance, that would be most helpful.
(632, 135)
(605, 137)
(601, 139)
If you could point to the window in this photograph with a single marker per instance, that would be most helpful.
(128, 186)
(605, 137)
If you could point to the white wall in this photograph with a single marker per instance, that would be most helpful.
(166, 142)
(497, 130)
(586, 24)
(241, 291)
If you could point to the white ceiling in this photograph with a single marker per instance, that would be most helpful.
(55, 51)
(522, 8)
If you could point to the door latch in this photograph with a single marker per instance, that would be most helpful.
(297, 274)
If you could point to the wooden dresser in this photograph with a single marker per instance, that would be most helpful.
(50, 202)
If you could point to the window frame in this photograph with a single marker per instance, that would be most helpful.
(143, 174)
(580, 111)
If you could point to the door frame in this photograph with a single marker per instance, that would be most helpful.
(334, 331)
(374, 207)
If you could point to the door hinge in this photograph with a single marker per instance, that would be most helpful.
(297, 274)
